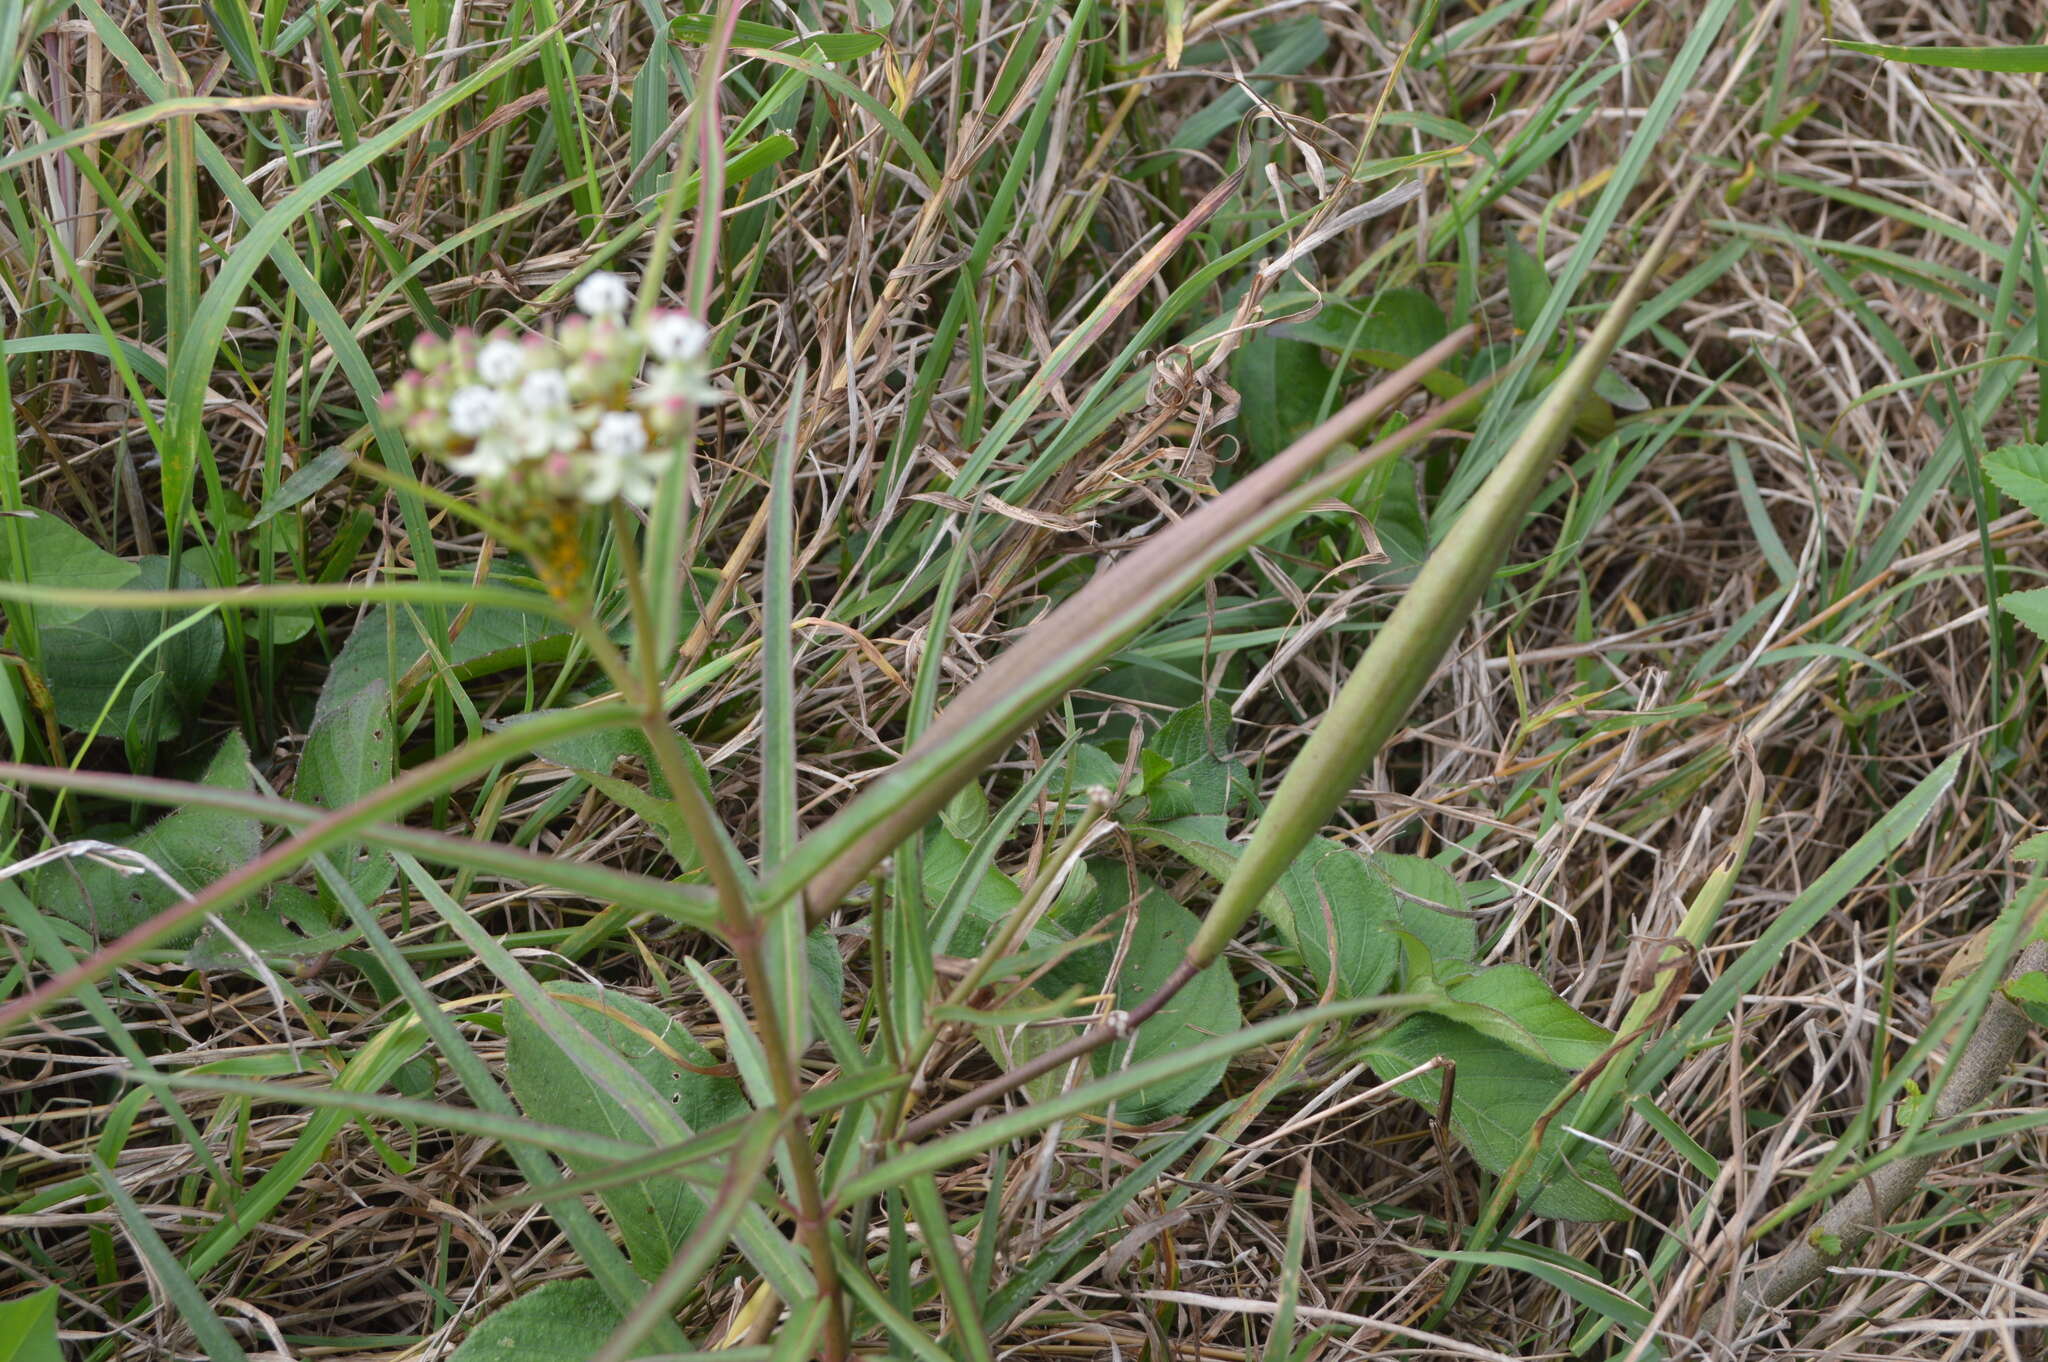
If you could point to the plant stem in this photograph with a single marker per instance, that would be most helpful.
(738, 925)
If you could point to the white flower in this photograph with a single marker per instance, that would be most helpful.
(676, 336)
(672, 383)
(602, 295)
(641, 481)
(602, 479)
(619, 435)
(499, 362)
(473, 410)
(492, 458)
(544, 390)
(632, 476)
(542, 433)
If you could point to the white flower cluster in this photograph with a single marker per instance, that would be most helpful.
(588, 414)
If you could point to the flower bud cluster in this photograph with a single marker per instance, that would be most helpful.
(587, 414)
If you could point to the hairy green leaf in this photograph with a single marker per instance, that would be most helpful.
(1151, 946)
(1496, 1099)
(555, 1322)
(655, 1216)
(194, 846)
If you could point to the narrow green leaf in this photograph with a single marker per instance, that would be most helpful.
(696, 28)
(1796, 919)
(306, 482)
(2022, 60)
(1104, 1209)
(168, 1274)
(1581, 1286)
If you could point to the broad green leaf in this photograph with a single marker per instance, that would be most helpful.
(384, 646)
(287, 923)
(1195, 734)
(1496, 1100)
(2029, 608)
(1450, 935)
(2029, 993)
(1091, 766)
(1014, 1043)
(827, 969)
(1187, 766)
(1512, 1004)
(54, 554)
(1385, 331)
(86, 656)
(28, 1328)
(351, 751)
(1388, 498)
(2034, 848)
(654, 1217)
(2021, 472)
(194, 846)
(1401, 321)
(1158, 940)
(1528, 286)
(1340, 912)
(555, 1322)
(1281, 386)
(599, 754)
(966, 813)
(945, 859)
(2019, 59)
(1327, 886)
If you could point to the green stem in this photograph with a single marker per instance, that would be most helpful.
(738, 924)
